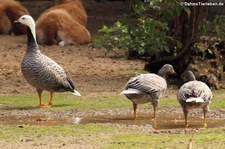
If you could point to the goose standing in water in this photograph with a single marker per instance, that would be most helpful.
(194, 94)
(146, 88)
(39, 70)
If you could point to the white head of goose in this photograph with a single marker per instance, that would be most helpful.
(39, 70)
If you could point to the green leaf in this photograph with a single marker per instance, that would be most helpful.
(179, 44)
(210, 51)
(187, 10)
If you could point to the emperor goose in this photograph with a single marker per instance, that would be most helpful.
(146, 88)
(194, 94)
(39, 70)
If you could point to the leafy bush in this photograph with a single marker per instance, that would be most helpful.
(216, 27)
(117, 35)
(148, 37)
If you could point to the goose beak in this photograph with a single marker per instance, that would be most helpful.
(16, 21)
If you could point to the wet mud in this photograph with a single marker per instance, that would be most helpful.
(163, 120)
(34, 120)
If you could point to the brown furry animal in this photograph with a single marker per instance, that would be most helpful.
(74, 7)
(10, 11)
(58, 27)
(63, 24)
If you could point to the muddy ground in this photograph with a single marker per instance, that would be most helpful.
(92, 71)
(89, 68)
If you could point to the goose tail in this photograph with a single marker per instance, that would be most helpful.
(195, 99)
(76, 93)
(130, 91)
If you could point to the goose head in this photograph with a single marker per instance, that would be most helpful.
(187, 76)
(167, 69)
(29, 22)
(26, 20)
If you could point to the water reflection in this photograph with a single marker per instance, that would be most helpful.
(163, 121)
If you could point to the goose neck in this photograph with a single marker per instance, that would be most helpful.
(31, 38)
(162, 73)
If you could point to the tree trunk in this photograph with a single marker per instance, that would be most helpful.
(128, 5)
(186, 31)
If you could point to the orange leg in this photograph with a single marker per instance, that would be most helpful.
(155, 124)
(135, 109)
(204, 123)
(154, 114)
(51, 98)
(185, 118)
(40, 98)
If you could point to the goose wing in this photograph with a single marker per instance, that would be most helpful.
(55, 76)
(194, 89)
(147, 83)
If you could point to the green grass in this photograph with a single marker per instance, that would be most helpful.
(110, 101)
(119, 138)
(218, 101)
(14, 131)
(65, 101)
(168, 102)
(211, 138)
(133, 141)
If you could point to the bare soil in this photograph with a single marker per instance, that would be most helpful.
(90, 69)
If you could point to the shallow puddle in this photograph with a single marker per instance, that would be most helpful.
(34, 120)
(163, 121)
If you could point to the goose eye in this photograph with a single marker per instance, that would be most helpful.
(23, 18)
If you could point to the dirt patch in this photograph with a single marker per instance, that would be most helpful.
(89, 68)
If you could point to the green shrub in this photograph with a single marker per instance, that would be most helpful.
(215, 27)
(146, 37)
